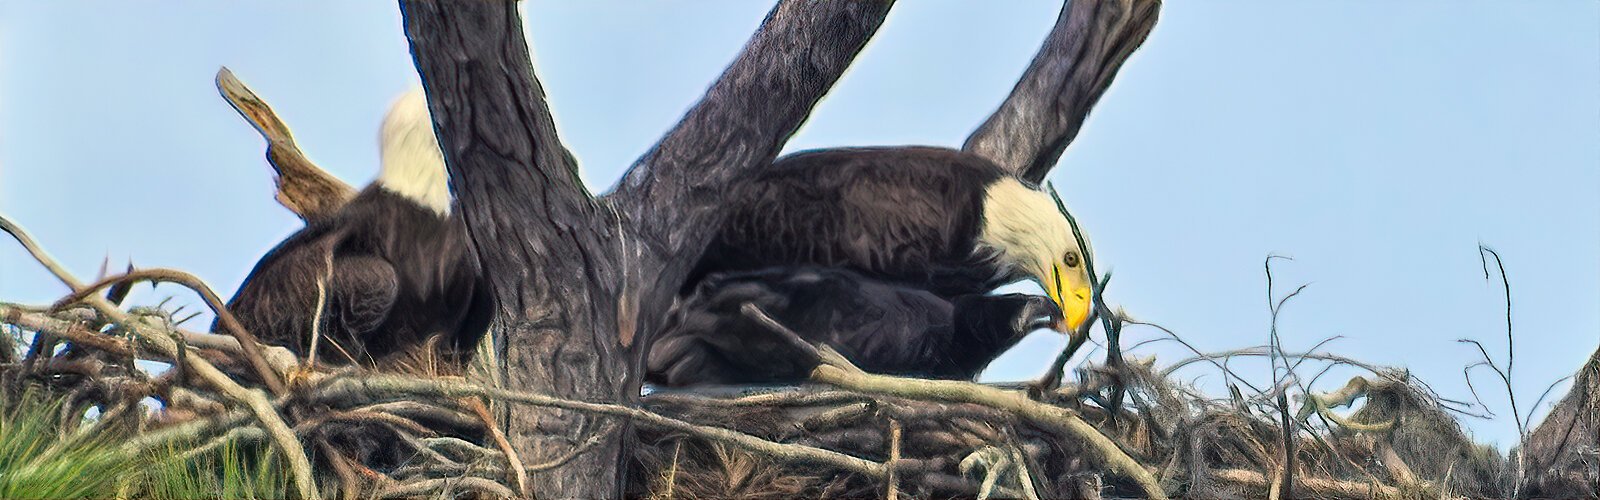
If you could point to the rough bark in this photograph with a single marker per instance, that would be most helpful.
(672, 195)
(1075, 65)
(540, 238)
(562, 264)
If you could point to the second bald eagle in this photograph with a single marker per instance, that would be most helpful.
(946, 221)
(393, 265)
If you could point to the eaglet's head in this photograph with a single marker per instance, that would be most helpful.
(1033, 234)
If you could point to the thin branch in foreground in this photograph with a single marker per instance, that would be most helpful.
(282, 437)
(1511, 359)
(252, 347)
(1058, 418)
(383, 386)
(1051, 380)
(1227, 373)
(1546, 394)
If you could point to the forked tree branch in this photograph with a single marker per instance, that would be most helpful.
(672, 196)
(1090, 41)
(573, 282)
(303, 187)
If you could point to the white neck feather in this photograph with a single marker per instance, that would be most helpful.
(412, 163)
(1024, 225)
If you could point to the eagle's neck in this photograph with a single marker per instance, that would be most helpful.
(1022, 225)
(412, 163)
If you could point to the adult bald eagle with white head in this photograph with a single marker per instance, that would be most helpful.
(947, 221)
(393, 264)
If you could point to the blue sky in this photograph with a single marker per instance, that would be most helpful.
(1377, 143)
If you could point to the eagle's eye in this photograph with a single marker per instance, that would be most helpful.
(1071, 259)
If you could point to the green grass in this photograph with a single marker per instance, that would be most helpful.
(230, 471)
(36, 462)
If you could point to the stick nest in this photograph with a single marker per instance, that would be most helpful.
(424, 427)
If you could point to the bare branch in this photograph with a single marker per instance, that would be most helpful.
(672, 196)
(1090, 41)
(303, 187)
(378, 387)
(252, 347)
(1053, 417)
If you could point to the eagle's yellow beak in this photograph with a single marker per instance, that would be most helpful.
(1074, 309)
(1074, 303)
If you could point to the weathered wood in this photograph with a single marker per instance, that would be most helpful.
(541, 239)
(673, 194)
(1090, 41)
(303, 187)
(561, 264)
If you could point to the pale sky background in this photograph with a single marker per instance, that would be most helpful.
(1375, 142)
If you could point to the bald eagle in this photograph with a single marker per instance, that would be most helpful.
(393, 265)
(938, 219)
(882, 327)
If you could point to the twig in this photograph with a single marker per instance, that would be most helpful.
(247, 341)
(672, 473)
(952, 391)
(519, 473)
(1511, 360)
(776, 398)
(1023, 477)
(1288, 446)
(245, 433)
(429, 487)
(1322, 404)
(1284, 486)
(1312, 487)
(581, 448)
(894, 456)
(316, 321)
(1397, 467)
(380, 386)
(755, 313)
(994, 464)
(1226, 373)
(1265, 351)
(1546, 394)
(71, 331)
(1051, 380)
(349, 485)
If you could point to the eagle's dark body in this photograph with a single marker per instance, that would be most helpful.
(395, 274)
(882, 327)
(909, 215)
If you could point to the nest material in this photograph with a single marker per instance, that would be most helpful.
(1201, 448)
(422, 426)
(1400, 444)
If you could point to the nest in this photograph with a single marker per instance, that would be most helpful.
(422, 426)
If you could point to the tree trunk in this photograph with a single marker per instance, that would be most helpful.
(578, 280)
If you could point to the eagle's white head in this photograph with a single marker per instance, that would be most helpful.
(412, 163)
(1033, 233)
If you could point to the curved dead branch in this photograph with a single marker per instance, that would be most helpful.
(303, 187)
